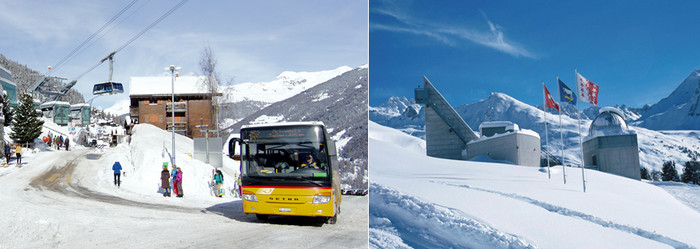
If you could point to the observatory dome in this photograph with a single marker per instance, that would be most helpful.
(609, 122)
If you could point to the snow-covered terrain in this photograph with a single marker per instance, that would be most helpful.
(425, 202)
(285, 85)
(67, 199)
(655, 146)
(679, 111)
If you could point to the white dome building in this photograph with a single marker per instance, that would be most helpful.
(611, 146)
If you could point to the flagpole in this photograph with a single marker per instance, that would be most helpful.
(544, 114)
(583, 172)
(563, 165)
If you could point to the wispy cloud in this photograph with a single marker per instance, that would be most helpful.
(450, 35)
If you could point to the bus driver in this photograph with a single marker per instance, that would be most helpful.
(309, 162)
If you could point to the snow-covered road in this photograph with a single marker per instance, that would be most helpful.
(65, 199)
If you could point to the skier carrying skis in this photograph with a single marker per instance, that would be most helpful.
(219, 179)
(117, 167)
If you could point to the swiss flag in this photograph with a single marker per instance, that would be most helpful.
(587, 90)
(550, 103)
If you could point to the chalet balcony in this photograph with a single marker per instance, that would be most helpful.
(134, 112)
(179, 107)
(180, 127)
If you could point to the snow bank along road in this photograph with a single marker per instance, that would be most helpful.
(55, 200)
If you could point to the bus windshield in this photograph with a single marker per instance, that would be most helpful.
(288, 153)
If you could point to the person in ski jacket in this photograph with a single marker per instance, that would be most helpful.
(67, 143)
(117, 167)
(219, 180)
(8, 152)
(18, 153)
(174, 180)
(165, 180)
(179, 182)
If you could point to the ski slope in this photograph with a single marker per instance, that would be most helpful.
(424, 202)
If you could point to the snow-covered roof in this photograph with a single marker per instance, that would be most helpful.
(523, 131)
(610, 122)
(612, 109)
(163, 85)
(491, 124)
(80, 105)
(53, 103)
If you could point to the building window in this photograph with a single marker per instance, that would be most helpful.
(152, 101)
(595, 160)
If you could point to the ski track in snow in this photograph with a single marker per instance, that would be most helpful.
(427, 225)
(576, 214)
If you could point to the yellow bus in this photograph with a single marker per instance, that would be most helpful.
(288, 169)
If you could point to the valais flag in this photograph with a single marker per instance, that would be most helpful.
(549, 100)
(587, 91)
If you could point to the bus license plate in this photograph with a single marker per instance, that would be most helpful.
(285, 210)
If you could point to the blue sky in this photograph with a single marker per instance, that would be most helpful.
(637, 52)
(252, 40)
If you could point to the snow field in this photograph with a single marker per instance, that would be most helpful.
(615, 212)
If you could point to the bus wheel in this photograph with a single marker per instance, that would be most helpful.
(332, 220)
(262, 217)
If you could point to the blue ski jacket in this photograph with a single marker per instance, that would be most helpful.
(117, 168)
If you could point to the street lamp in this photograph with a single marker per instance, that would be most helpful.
(172, 70)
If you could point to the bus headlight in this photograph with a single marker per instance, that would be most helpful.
(322, 198)
(249, 196)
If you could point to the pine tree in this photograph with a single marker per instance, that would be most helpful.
(26, 125)
(645, 173)
(6, 109)
(669, 172)
(691, 172)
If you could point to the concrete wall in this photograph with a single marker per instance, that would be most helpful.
(617, 155)
(440, 140)
(518, 148)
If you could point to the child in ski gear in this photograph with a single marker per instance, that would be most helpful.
(117, 167)
(18, 152)
(219, 180)
(165, 180)
(174, 180)
(179, 182)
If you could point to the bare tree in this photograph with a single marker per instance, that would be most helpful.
(208, 64)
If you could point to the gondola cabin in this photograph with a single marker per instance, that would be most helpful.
(57, 111)
(80, 113)
(107, 88)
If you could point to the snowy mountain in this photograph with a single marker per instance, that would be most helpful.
(401, 113)
(655, 146)
(424, 202)
(246, 98)
(678, 111)
(341, 104)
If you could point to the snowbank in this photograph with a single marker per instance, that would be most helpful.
(520, 205)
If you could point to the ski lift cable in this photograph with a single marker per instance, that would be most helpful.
(72, 53)
(166, 14)
(114, 26)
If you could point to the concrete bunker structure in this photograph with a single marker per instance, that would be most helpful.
(611, 146)
(448, 136)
